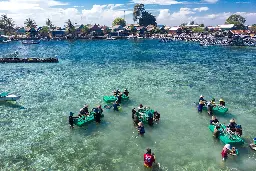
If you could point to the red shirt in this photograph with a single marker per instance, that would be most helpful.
(148, 160)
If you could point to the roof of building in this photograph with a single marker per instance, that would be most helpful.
(226, 26)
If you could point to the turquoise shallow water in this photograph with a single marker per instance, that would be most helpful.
(167, 77)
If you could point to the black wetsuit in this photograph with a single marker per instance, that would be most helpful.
(71, 121)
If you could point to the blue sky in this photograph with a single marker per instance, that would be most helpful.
(167, 12)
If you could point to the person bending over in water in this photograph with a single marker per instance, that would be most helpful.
(149, 158)
(84, 111)
(156, 116)
(216, 132)
(133, 113)
(140, 108)
(136, 120)
(119, 98)
(115, 106)
(214, 121)
(150, 119)
(126, 92)
(222, 103)
(201, 98)
(141, 130)
(253, 145)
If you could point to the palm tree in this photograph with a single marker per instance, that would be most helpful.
(70, 27)
(6, 23)
(137, 11)
(49, 23)
(30, 23)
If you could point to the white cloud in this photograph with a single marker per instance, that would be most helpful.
(158, 2)
(211, 1)
(201, 9)
(185, 15)
(40, 10)
(14, 5)
(176, 18)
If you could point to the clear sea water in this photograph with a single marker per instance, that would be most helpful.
(168, 77)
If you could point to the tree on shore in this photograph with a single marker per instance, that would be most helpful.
(49, 23)
(253, 28)
(137, 11)
(30, 23)
(198, 30)
(237, 20)
(6, 24)
(119, 21)
(44, 32)
(145, 18)
(85, 30)
(70, 27)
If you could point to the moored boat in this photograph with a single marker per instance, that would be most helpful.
(30, 42)
(110, 99)
(227, 137)
(8, 97)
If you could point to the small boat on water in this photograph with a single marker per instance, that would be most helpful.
(85, 119)
(8, 97)
(110, 38)
(110, 99)
(227, 137)
(218, 110)
(145, 114)
(30, 42)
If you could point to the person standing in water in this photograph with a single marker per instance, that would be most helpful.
(115, 106)
(141, 130)
(126, 92)
(71, 120)
(149, 158)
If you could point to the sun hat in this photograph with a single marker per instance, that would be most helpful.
(201, 96)
(221, 100)
(227, 146)
(86, 105)
(232, 120)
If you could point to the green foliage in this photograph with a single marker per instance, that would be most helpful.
(119, 21)
(133, 29)
(44, 31)
(147, 19)
(6, 24)
(253, 28)
(85, 30)
(198, 30)
(70, 27)
(49, 23)
(137, 11)
(237, 20)
(201, 25)
(30, 23)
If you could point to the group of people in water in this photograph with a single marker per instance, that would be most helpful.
(231, 129)
(210, 104)
(84, 112)
(139, 116)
